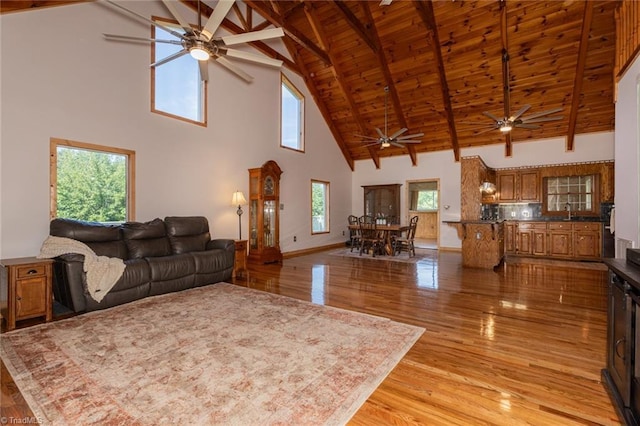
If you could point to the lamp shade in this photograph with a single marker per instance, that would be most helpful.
(238, 199)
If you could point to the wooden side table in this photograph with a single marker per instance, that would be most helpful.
(26, 289)
(240, 263)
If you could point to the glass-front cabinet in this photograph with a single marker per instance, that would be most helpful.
(264, 217)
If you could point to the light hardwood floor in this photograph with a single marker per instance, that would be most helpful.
(520, 345)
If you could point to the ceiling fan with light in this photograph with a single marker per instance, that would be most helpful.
(200, 43)
(507, 122)
(395, 139)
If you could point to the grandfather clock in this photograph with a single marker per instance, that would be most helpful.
(264, 213)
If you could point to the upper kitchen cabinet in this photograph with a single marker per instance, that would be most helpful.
(516, 186)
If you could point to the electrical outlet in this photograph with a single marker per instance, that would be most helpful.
(295, 238)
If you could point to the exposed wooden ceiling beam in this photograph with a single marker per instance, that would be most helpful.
(356, 25)
(579, 74)
(382, 61)
(425, 10)
(269, 14)
(338, 74)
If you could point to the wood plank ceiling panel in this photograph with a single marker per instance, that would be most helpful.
(543, 45)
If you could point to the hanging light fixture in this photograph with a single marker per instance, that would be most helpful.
(506, 126)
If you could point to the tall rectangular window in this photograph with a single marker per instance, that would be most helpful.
(91, 182)
(177, 89)
(291, 116)
(319, 207)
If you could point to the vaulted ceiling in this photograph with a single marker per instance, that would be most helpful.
(443, 62)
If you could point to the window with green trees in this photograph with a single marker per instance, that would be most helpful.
(319, 207)
(91, 182)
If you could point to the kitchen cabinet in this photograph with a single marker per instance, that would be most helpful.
(529, 186)
(568, 240)
(560, 239)
(531, 238)
(510, 229)
(518, 186)
(506, 186)
(586, 240)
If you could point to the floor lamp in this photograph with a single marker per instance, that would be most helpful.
(238, 200)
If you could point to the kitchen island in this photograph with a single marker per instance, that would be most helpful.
(482, 242)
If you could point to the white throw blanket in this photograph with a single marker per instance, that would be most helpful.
(102, 271)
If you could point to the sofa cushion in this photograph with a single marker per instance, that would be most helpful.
(104, 240)
(187, 233)
(148, 239)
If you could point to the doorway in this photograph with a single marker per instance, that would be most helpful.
(423, 200)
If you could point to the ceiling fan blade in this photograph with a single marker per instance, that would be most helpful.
(485, 131)
(230, 40)
(415, 135)
(540, 114)
(399, 145)
(385, 2)
(170, 58)
(407, 141)
(144, 18)
(543, 119)
(204, 70)
(140, 39)
(491, 116)
(398, 133)
(234, 69)
(183, 23)
(372, 143)
(248, 56)
(216, 18)
(367, 137)
(520, 112)
(382, 135)
(526, 126)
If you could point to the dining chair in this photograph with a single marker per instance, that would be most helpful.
(405, 243)
(354, 234)
(370, 238)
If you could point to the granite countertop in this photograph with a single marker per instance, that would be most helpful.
(478, 221)
(556, 219)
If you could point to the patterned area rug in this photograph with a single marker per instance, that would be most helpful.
(421, 254)
(220, 354)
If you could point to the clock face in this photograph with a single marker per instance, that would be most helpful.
(268, 185)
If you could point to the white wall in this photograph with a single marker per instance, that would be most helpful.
(627, 155)
(441, 165)
(61, 79)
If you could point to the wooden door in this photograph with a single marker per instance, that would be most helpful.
(539, 242)
(523, 242)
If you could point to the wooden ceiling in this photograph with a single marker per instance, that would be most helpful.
(443, 64)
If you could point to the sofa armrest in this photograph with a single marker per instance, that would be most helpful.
(223, 244)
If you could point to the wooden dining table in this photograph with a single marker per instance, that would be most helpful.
(388, 230)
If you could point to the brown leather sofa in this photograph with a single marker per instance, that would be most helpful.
(160, 257)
